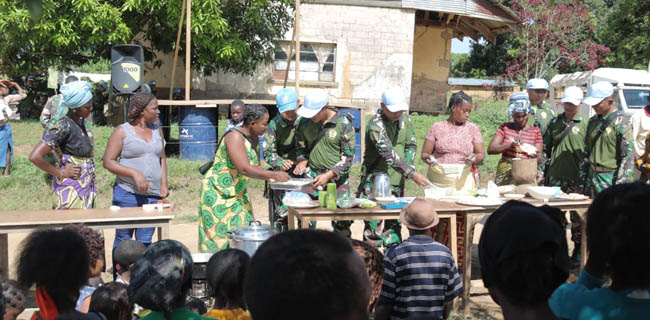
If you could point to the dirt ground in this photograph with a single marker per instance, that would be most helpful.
(481, 305)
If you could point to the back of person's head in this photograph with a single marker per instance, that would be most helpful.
(523, 253)
(161, 278)
(196, 305)
(112, 301)
(322, 278)
(94, 241)
(617, 229)
(56, 261)
(127, 253)
(226, 272)
(374, 260)
(15, 297)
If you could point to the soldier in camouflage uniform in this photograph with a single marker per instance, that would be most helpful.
(280, 152)
(537, 91)
(390, 148)
(564, 147)
(608, 144)
(328, 157)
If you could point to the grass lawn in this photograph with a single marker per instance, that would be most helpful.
(28, 188)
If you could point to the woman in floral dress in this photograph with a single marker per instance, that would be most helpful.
(224, 201)
(73, 179)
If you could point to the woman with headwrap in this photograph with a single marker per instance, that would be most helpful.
(160, 281)
(516, 139)
(6, 139)
(74, 178)
(223, 202)
(142, 169)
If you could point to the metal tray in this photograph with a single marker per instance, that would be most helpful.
(295, 184)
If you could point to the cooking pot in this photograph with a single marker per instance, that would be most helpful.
(250, 237)
(380, 186)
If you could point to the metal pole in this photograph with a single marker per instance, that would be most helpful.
(188, 49)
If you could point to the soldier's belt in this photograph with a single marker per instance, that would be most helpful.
(601, 169)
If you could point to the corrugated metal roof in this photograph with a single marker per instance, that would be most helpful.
(482, 9)
(476, 82)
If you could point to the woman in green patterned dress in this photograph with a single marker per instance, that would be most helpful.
(224, 199)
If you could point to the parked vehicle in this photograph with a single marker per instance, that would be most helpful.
(631, 87)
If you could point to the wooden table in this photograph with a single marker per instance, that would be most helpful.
(445, 209)
(27, 221)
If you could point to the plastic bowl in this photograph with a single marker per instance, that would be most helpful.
(542, 192)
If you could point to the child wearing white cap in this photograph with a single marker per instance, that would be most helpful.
(608, 143)
(564, 147)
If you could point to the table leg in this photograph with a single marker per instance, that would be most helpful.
(583, 237)
(453, 237)
(291, 219)
(163, 232)
(4, 256)
(467, 262)
(304, 223)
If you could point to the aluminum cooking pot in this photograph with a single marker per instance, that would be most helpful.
(250, 237)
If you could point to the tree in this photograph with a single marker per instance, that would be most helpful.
(551, 37)
(626, 31)
(487, 60)
(229, 35)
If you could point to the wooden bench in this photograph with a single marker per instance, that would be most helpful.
(27, 221)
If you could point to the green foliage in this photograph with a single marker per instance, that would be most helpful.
(487, 60)
(98, 66)
(67, 32)
(228, 35)
(625, 30)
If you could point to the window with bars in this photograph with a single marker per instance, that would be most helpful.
(317, 62)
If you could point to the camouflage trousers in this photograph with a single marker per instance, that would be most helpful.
(342, 190)
(597, 182)
(381, 233)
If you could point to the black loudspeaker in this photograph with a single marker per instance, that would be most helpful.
(126, 68)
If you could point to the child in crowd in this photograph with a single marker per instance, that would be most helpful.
(225, 272)
(57, 262)
(236, 114)
(374, 261)
(307, 274)
(125, 255)
(112, 301)
(95, 242)
(524, 257)
(420, 274)
(161, 280)
(15, 298)
(617, 230)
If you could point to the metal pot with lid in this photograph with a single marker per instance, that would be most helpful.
(250, 237)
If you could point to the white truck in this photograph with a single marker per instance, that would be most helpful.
(631, 88)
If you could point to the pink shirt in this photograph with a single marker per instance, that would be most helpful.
(453, 143)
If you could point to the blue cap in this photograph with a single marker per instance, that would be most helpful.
(30, 78)
(286, 99)
(394, 100)
(177, 90)
(314, 102)
(597, 92)
(573, 95)
(537, 83)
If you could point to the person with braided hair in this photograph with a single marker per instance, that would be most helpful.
(142, 166)
(73, 178)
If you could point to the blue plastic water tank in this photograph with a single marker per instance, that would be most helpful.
(357, 147)
(356, 113)
(198, 133)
